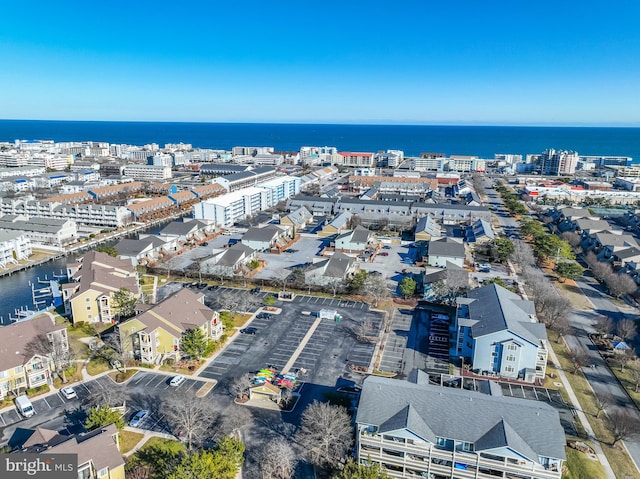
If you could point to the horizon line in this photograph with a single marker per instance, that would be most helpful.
(352, 123)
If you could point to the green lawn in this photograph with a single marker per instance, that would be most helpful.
(97, 366)
(618, 458)
(581, 466)
(128, 440)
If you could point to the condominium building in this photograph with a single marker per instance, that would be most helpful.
(14, 246)
(415, 429)
(497, 333)
(156, 334)
(88, 297)
(281, 187)
(20, 367)
(148, 172)
(89, 214)
(350, 158)
(562, 162)
(42, 232)
(98, 451)
(225, 210)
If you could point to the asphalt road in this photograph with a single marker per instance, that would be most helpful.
(600, 378)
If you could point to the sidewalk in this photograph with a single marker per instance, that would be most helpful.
(581, 415)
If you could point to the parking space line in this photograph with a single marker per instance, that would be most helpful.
(3, 421)
(153, 378)
(142, 376)
(88, 390)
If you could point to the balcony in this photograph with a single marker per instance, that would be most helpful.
(466, 465)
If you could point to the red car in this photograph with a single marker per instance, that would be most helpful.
(383, 253)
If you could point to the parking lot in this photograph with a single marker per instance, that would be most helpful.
(327, 354)
(142, 391)
(299, 253)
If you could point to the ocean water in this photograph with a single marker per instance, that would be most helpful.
(483, 141)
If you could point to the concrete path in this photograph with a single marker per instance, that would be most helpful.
(303, 343)
(582, 416)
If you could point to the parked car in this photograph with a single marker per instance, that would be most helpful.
(177, 380)
(213, 287)
(69, 393)
(138, 417)
(250, 330)
(255, 290)
(383, 253)
(386, 247)
(264, 316)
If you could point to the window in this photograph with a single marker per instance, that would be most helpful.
(87, 299)
(509, 369)
(511, 357)
(88, 308)
(512, 347)
(467, 446)
(133, 330)
(103, 471)
(18, 369)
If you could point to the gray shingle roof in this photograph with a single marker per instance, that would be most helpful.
(232, 255)
(268, 233)
(531, 428)
(495, 308)
(131, 247)
(446, 247)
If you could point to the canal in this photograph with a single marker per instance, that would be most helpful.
(15, 290)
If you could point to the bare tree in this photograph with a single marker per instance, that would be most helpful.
(334, 285)
(325, 433)
(354, 222)
(626, 329)
(363, 328)
(556, 308)
(235, 417)
(246, 301)
(278, 460)
(239, 387)
(620, 284)
(522, 254)
(572, 238)
(117, 347)
(376, 287)
(633, 367)
(580, 359)
(189, 416)
(54, 346)
(281, 278)
(603, 401)
(601, 270)
(138, 471)
(561, 327)
(623, 424)
(604, 325)
(220, 272)
(230, 301)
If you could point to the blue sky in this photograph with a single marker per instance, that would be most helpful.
(461, 62)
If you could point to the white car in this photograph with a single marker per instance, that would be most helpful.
(177, 381)
(69, 393)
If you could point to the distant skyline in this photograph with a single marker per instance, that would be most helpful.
(415, 62)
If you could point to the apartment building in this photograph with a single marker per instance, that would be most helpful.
(148, 172)
(14, 246)
(89, 214)
(225, 210)
(22, 368)
(25, 171)
(94, 279)
(415, 429)
(245, 179)
(98, 451)
(356, 159)
(497, 333)
(42, 232)
(282, 187)
(155, 335)
(562, 162)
